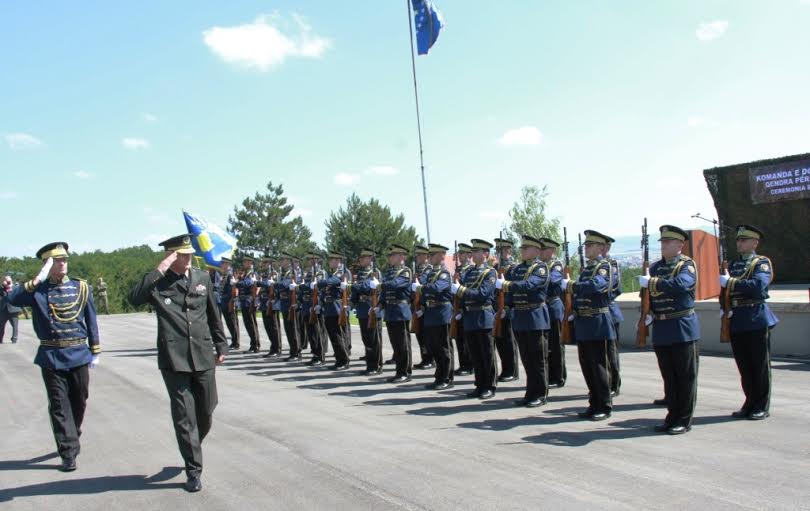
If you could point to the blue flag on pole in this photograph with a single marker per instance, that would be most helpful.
(429, 23)
(210, 241)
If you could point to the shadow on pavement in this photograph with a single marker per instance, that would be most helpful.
(32, 464)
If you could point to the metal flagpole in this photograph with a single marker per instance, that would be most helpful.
(418, 120)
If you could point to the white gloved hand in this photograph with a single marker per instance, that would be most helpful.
(46, 269)
(317, 309)
(343, 285)
(458, 317)
(420, 313)
(271, 282)
(454, 287)
(94, 361)
(644, 280)
(373, 283)
(503, 313)
(724, 278)
(415, 287)
(564, 283)
(499, 283)
(648, 320)
(293, 285)
(571, 317)
(722, 313)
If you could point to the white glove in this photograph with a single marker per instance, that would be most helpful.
(648, 320)
(503, 313)
(293, 285)
(724, 279)
(571, 317)
(458, 317)
(499, 283)
(94, 361)
(454, 287)
(420, 313)
(564, 284)
(343, 285)
(722, 313)
(270, 282)
(46, 269)
(644, 280)
(415, 287)
(317, 309)
(373, 283)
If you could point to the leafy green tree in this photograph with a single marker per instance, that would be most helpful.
(263, 223)
(529, 215)
(361, 224)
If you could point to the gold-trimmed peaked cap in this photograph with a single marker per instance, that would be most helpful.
(180, 244)
(502, 243)
(397, 249)
(334, 254)
(479, 244)
(592, 236)
(367, 252)
(550, 243)
(749, 231)
(671, 232)
(463, 248)
(56, 249)
(435, 248)
(420, 250)
(531, 241)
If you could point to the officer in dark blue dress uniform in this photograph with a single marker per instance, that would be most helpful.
(465, 365)
(269, 314)
(64, 320)
(395, 308)
(436, 312)
(310, 318)
(248, 304)
(557, 373)
(422, 267)
(477, 290)
(285, 285)
(506, 344)
(526, 286)
(330, 287)
(747, 280)
(616, 315)
(227, 303)
(675, 327)
(368, 280)
(593, 325)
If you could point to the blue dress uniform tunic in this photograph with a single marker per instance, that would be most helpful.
(360, 300)
(437, 301)
(672, 301)
(285, 279)
(527, 293)
(244, 286)
(615, 291)
(360, 297)
(554, 291)
(330, 292)
(396, 295)
(750, 278)
(283, 289)
(592, 319)
(478, 298)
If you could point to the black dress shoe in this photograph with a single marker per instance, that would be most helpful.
(424, 365)
(463, 372)
(430, 386)
(475, 393)
(534, 403)
(554, 385)
(399, 379)
(521, 402)
(68, 465)
(759, 416)
(614, 393)
(271, 355)
(340, 367)
(505, 379)
(487, 394)
(443, 385)
(193, 484)
(372, 372)
(660, 402)
(600, 416)
(587, 414)
(233, 347)
(363, 358)
(662, 428)
(389, 362)
(679, 430)
(741, 414)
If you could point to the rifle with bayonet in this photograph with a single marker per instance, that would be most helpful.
(567, 296)
(642, 328)
(497, 329)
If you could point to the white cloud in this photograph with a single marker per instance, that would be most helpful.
(134, 144)
(699, 121)
(346, 179)
(146, 116)
(19, 141)
(262, 45)
(381, 170)
(526, 135)
(7, 195)
(83, 174)
(711, 30)
(492, 215)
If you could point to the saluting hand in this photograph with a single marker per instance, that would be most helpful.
(166, 263)
(45, 271)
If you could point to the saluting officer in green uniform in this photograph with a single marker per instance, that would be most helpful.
(189, 330)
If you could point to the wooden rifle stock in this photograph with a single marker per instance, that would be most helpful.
(456, 308)
(725, 304)
(497, 329)
(416, 304)
(642, 329)
(568, 310)
(344, 304)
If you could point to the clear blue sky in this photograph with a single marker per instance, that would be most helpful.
(114, 117)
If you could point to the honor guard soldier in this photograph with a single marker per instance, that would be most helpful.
(101, 293)
(227, 301)
(436, 313)
(396, 310)
(593, 325)
(477, 291)
(557, 373)
(285, 288)
(247, 303)
(311, 314)
(616, 316)
(298, 269)
(368, 280)
(421, 265)
(675, 327)
(505, 344)
(751, 321)
(265, 283)
(464, 359)
(330, 287)
(526, 288)
(189, 330)
(64, 320)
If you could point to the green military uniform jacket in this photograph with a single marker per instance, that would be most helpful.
(188, 321)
